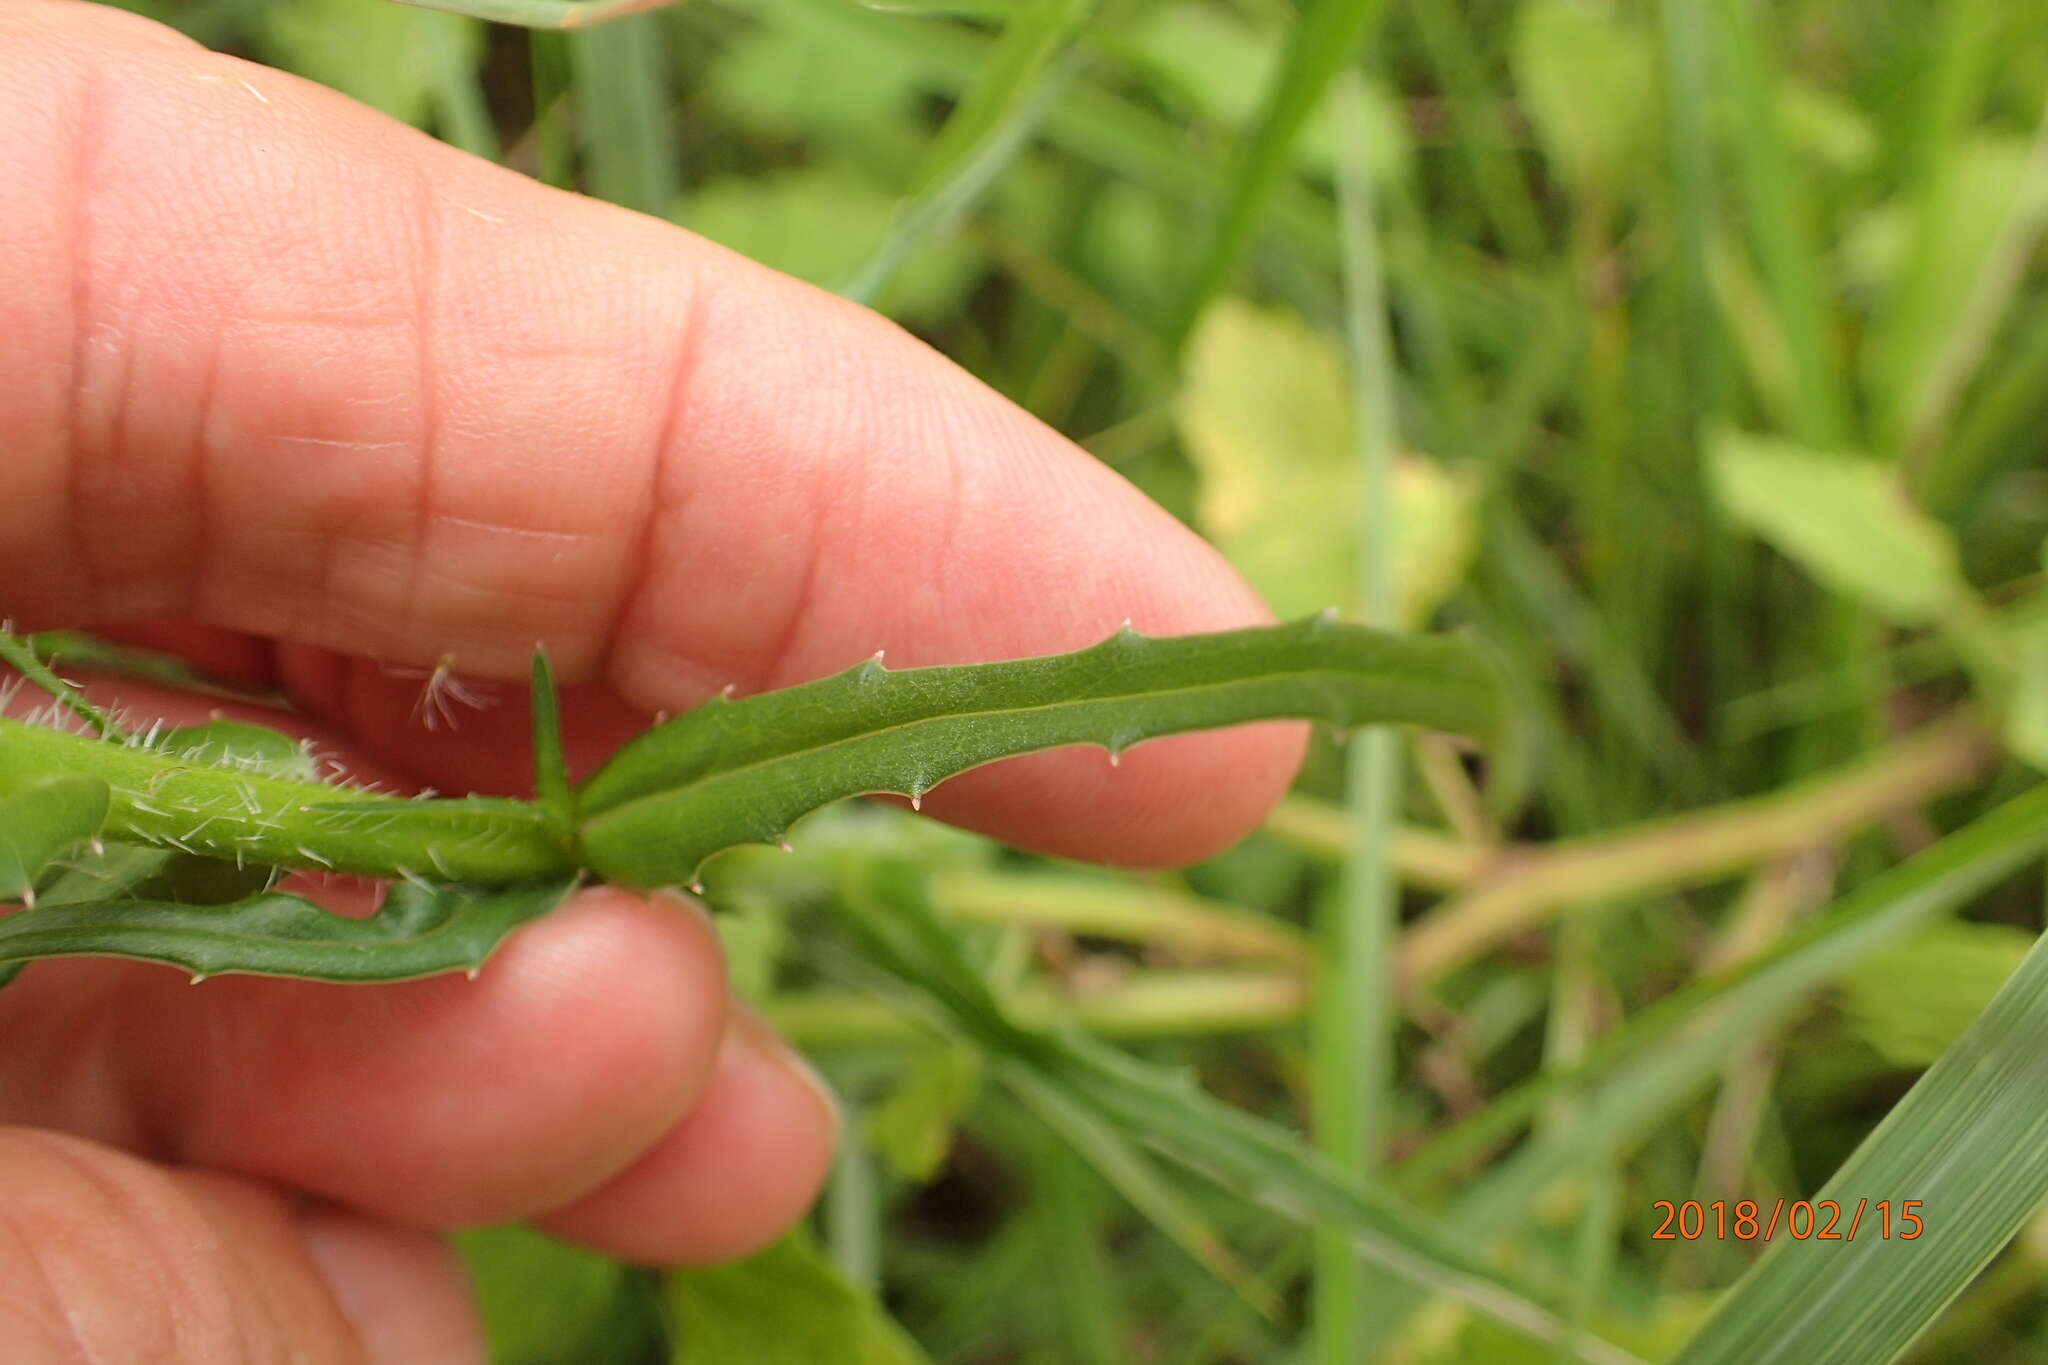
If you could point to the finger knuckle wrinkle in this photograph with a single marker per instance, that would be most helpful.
(107, 1261)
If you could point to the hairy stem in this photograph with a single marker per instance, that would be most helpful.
(250, 816)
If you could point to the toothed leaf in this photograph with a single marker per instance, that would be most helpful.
(234, 744)
(737, 772)
(41, 822)
(420, 931)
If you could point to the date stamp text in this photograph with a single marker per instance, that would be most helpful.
(1821, 1220)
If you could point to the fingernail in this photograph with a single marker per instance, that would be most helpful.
(406, 1292)
(750, 1034)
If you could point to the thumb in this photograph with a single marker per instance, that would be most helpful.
(108, 1257)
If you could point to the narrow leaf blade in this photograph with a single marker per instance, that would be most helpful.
(740, 772)
(420, 931)
(550, 761)
(1968, 1146)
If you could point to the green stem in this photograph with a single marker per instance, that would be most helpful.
(1106, 908)
(1157, 1004)
(1527, 886)
(250, 816)
(1353, 1021)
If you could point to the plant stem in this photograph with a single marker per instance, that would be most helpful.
(1351, 1035)
(1424, 857)
(1117, 909)
(251, 816)
(1156, 1004)
(1527, 886)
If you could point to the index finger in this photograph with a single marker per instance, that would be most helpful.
(286, 366)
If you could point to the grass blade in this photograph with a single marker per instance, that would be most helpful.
(988, 127)
(1969, 1144)
(620, 76)
(1253, 1159)
(1322, 41)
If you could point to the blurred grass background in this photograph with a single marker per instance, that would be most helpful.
(1691, 352)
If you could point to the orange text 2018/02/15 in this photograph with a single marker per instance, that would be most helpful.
(1819, 1220)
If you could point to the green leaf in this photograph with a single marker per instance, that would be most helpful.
(1319, 45)
(544, 1302)
(1165, 1112)
(1911, 999)
(783, 1306)
(735, 772)
(112, 870)
(234, 744)
(625, 121)
(1844, 519)
(775, 218)
(796, 84)
(2026, 712)
(912, 1126)
(381, 54)
(1267, 420)
(43, 821)
(550, 762)
(1216, 65)
(1922, 261)
(1589, 85)
(1969, 1143)
(420, 931)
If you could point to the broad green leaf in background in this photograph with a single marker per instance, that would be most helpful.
(544, 1302)
(1921, 262)
(2026, 717)
(388, 56)
(1909, 1000)
(43, 821)
(783, 1306)
(820, 223)
(912, 1126)
(1265, 413)
(1970, 1143)
(1844, 519)
(420, 931)
(1827, 128)
(793, 82)
(1589, 85)
(1219, 65)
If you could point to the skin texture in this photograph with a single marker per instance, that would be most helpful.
(319, 402)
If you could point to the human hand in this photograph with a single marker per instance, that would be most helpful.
(325, 400)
